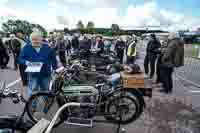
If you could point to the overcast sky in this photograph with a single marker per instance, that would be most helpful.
(173, 14)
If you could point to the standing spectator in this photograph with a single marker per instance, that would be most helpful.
(17, 43)
(38, 52)
(85, 48)
(164, 44)
(131, 52)
(172, 57)
(119, 48)
(107, 45)
(98, 45)
(68, 46)
(75, 43)
(61, 47)
(52, 42)
(4, 57)
(151, 55)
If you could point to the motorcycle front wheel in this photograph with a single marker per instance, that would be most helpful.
(43, 105)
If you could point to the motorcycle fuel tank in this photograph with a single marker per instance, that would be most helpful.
(80, 90)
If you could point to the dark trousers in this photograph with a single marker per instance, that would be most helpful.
(86, 55)
(130, 59)
(166, 77)
(23, 74)
(158, 67)
(68, 50)
(150, 59)
(4, 59)
(120, 55)
(62, 58)
(15, 56)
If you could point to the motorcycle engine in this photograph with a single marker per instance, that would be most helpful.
(82, 94)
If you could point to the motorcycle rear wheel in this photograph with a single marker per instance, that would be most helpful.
(121, 106)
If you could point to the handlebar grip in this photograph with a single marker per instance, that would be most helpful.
(87, 105)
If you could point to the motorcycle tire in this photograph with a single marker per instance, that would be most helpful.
(140, 100)
(33, 98)
(115, 100)
(134, 94)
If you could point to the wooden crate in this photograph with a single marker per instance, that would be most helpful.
(133, 80)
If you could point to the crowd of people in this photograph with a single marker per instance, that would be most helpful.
(169, 55)
(36, 48)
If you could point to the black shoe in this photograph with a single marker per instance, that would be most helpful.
(163, 91)
(3, 67)
(169, 92)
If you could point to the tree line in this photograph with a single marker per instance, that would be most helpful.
(11, 25)
(114, 30)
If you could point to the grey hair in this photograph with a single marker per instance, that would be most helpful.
(36, 34)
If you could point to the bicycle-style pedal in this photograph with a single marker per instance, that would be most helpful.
(79, 122)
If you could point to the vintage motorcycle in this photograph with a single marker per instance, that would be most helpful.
(115, 105)
(95, 61)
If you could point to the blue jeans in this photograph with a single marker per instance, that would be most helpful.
(114, 79)
(38, 83)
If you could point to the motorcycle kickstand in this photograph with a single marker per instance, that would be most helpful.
(119, 126)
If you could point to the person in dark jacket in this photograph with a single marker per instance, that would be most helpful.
(75, 43)
(159, 62)
(61, 47)
(17, 43)
(52, 43)
(172, 56)
(4, 57)
(68, 46)
(85, 48)
(119, 48)
(98, 45)
(37, 52)
(151, 55)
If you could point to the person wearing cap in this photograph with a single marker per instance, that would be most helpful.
(172, 56)
(152, 51)
(38, 52)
